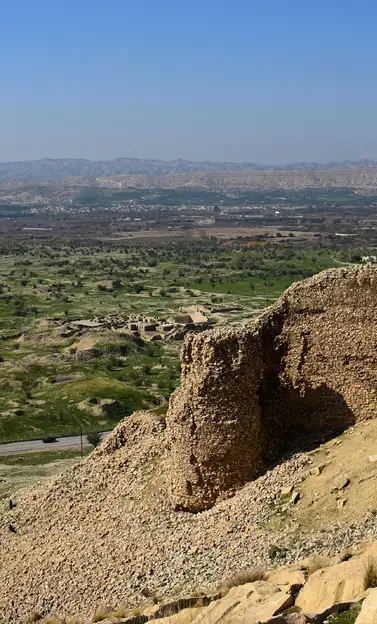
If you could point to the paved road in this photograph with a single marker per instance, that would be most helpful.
(32, 446)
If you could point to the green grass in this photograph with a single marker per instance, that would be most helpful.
(346, 617)
(61, 280)
(60, 415)
(271, 290)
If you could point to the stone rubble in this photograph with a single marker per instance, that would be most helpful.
(104, 532)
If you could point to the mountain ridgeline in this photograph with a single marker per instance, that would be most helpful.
(49, 169)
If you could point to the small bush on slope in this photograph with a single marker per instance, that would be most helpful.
(370, 575)
(241, 578)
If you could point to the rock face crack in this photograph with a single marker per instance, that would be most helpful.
(308, 365)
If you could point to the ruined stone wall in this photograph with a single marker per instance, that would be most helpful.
(329, 345)
(308, 364)
(214, 418)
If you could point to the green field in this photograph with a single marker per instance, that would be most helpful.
(49, 386)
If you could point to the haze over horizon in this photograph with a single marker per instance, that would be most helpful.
(212, 161)
(219, 81)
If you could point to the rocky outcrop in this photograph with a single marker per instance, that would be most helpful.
(308, 365)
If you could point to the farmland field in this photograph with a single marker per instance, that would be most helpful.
(82, 340)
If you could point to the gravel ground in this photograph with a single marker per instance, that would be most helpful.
(104, 532)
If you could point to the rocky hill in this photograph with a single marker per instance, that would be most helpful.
(246, 439)
(50, 169)
(361, 180)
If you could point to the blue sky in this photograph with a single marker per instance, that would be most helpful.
(245, 80)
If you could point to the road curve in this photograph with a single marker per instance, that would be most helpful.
(34, 446)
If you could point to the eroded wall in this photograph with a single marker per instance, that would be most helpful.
(308, 364)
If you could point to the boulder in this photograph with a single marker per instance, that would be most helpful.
(341, 502)
(286, 491)
(342, 582)
(341, 482)
(289, 578)
(245, 604)
(368, 613)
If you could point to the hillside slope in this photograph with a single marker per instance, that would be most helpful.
(105, 531)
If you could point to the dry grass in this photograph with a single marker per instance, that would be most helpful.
(34, 617)
(241, 578)
(370, 574)
(57, 620)
(121, 611)
(102, 614)
(317, 562)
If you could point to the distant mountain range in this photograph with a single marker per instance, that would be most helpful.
(50, 169)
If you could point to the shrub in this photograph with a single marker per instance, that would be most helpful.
(276, 552)
(370, 574)
(103, 613)
(34, 617)
(243, 577)
(345, 617)
(121, 612)
(94, 438)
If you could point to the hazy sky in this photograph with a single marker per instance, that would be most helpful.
(246, 80)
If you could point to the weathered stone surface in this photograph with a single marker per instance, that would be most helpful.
(286, 491)
(253, 592)
(342, 582)
(253, 602)
(368, 613)
(186, 616)
(295, 498)
(247, 611)
(214, 422)
(341, 482)
(246, 394)
(317, 470)
(341, 502)
(287, 577)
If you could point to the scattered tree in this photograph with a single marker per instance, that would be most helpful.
(94, 438)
